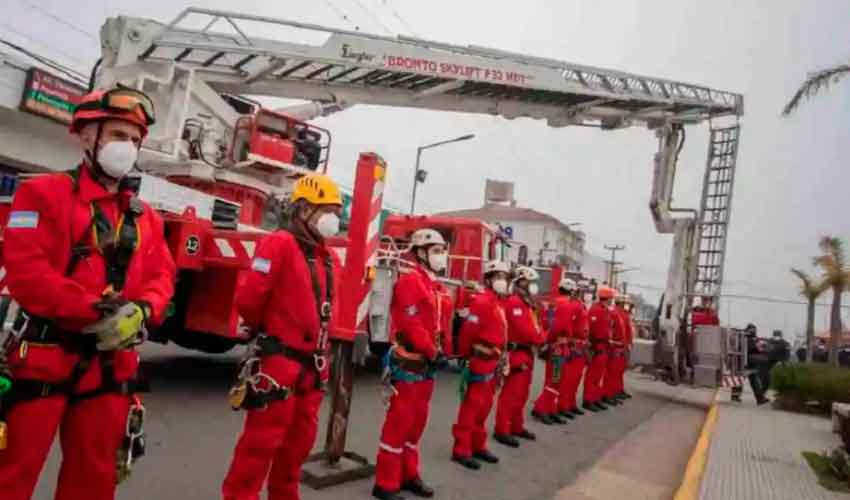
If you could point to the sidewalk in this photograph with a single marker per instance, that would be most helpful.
(755, 454)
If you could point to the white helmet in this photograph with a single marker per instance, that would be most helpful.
(496, 266)
(525, 273)
(425, 237)
(567, 284)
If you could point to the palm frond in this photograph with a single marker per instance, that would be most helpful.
(809, 288)
(817, 81)
(833, 261)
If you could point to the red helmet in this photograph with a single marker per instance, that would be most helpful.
(606, 293)
(116, 104)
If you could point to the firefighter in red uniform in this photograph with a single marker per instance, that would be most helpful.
(703, 313)
(524, 334)
(558, 354)
(615, 370)
(601, 325)
(88, 263)
(482, 342)
(626, 311)
(415, 311)
(287, 298)
(573, 316)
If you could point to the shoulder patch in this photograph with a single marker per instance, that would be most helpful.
(411, 310)
(261, 265)
(20, 219)
(517, 311)
(472, 318)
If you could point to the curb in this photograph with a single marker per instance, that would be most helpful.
(689, 489)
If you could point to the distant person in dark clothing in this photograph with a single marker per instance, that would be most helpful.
(758, 363)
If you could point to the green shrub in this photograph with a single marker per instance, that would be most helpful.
(810, 383)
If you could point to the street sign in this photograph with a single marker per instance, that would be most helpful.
(50, 96)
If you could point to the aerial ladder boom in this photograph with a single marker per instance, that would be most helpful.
(191, 64)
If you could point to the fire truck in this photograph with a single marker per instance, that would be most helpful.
(216, 164)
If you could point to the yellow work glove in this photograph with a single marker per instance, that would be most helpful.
(119, 329)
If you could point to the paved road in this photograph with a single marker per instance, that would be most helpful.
(192, 431)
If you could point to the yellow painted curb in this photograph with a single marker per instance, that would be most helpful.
(689, 489)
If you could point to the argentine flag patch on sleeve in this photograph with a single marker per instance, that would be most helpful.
(261, 265)
(23, 220)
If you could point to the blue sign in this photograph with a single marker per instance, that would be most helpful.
(509, 231)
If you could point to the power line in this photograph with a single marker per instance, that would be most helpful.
(398, 16)
(59, 20)
(341, 14)
(43, 44)
(69, 72)
(756, 298)
(373, 16)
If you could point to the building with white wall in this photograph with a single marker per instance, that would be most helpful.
(34, 133)
(548, 239)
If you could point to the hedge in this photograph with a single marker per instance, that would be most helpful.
(807, 385)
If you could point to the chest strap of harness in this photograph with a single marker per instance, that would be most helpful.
(324, 304)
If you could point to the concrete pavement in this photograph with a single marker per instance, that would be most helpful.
(192, 431)
(755, 454)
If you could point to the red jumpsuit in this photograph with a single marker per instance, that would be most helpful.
(615, 368)
(485, 325)
(575, 318)
(277, 296)
(559, 332)
(445, 312)
(600, 335)
(48, 217)
(627, 348)
(415, 312)
(523, 334)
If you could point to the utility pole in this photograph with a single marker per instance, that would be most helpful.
(612, 275)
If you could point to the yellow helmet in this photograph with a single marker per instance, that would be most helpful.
(316, 189)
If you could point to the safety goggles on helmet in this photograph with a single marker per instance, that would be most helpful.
(122, 100)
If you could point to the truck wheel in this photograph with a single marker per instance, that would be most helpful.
(205, 342)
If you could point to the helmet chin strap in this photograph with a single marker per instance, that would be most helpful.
(305, 230)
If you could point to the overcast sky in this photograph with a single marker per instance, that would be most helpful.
(792, 178)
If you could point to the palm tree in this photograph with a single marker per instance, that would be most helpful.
(811, 291)
(836, 275)
(817, 81)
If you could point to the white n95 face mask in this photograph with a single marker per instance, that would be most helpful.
(327, 225)
(117, 158)
(438, 261)
(533, 289)
(500, 287)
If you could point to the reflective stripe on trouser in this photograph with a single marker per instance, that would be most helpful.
(547, 402)
(593, 378)
(510, 411)
(470, 431)
(406, 419)
(90, 433)
(274, 444)
(570, 380)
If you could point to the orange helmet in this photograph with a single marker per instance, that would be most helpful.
(116, 104)
(606, 293)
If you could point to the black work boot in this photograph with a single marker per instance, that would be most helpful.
(577, 411)
(592, 407)
(418, 488)
(467, 462)
(626, 395)
(486, 456)
(600, 406)
(567, 414)
(555, 418)
(542, 418)
(382, 494)
(526, 434)
(506, 440)
(611, 402)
